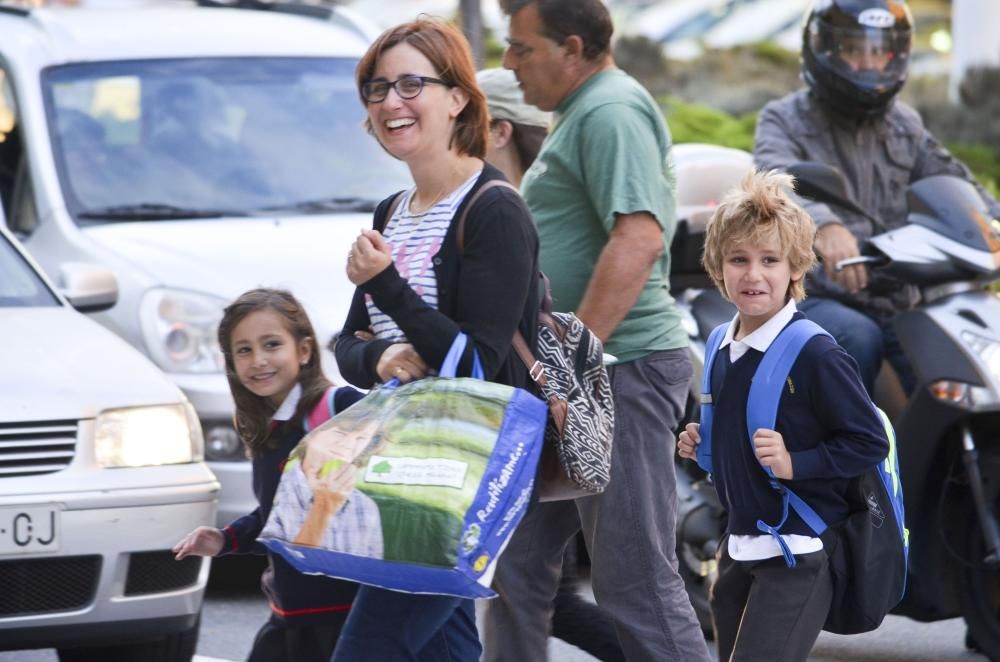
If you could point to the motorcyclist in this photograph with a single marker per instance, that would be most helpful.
(855, 58)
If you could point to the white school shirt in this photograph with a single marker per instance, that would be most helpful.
(764, 546)
(287, 408)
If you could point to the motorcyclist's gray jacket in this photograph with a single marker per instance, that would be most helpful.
(879, 157)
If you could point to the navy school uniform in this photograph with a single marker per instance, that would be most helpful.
(298, 601)
(762, 608)
(828, 424)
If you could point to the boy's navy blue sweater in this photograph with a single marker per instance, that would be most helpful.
(297, 598)
(828, 424)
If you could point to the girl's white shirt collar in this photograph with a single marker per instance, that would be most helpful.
(760, 339)
(287, 408)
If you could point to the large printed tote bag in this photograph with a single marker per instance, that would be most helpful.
(415, 488)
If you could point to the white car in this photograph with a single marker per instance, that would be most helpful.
(197, 152)
(101, 472)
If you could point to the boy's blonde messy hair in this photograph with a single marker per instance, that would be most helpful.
(759, 209)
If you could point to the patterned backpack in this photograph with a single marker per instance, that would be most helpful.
(569, 370)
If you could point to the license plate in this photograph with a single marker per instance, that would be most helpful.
(29, 529)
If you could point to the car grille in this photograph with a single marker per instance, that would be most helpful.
(38, 586)
(27, 449)
(156, 572)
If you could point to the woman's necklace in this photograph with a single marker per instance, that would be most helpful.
(423, 209)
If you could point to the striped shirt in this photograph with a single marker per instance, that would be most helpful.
(414, 240)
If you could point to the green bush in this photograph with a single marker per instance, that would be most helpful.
(984, 163)
(695, 123)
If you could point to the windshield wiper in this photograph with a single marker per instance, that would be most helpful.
(155, 211)
(320, 205)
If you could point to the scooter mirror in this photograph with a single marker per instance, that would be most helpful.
(818, 181)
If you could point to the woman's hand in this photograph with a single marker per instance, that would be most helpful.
(769, 447)
(688, 440)
(400, 360)
(203, 541)
(369, 256)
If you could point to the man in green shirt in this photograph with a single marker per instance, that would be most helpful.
(602, 196)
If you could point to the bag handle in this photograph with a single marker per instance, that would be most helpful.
(535, 369)
(451, 360)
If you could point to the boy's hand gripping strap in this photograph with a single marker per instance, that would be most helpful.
(762, 412)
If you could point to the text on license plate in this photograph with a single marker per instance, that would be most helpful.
(29, 529)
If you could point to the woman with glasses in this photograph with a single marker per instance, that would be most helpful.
(419, 284)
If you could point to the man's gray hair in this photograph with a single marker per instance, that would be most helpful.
(588, 19)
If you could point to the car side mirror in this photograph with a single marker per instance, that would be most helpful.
(88, 287)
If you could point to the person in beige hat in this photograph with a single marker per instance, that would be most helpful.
(517, 129)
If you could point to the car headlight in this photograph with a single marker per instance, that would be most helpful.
(180, 329)
(148, 436)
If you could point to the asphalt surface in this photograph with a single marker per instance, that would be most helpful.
(234, 610)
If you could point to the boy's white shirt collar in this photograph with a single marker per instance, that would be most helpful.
(762, 338)
(287, 408)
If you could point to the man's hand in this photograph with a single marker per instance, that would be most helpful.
(834, 243)
(400, 360)
(688, 440)
(769, 447)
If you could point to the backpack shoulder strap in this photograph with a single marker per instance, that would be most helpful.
(322, 412)
(769, 380)
(380, 223)
(762, 412)
(520, 344)
(460, 228)
(707, 408)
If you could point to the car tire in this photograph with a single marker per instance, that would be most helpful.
(176, 647)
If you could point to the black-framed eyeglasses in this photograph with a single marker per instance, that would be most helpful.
(407, 87)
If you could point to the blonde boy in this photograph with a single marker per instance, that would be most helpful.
(758, 248)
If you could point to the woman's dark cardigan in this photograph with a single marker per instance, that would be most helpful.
(487, 292)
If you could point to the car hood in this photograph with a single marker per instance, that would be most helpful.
(226, 257)
(60, 365)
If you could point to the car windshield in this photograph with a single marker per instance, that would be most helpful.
(211, 137)
(19, 284)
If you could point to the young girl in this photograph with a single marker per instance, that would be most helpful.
(273, 367)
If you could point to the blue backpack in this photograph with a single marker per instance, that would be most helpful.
(869, 550)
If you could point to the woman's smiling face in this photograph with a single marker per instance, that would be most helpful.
(408, 128)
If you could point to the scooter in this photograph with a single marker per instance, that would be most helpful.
(948, 430)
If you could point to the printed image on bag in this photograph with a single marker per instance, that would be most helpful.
(415, 488)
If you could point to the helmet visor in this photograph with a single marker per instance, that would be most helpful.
(870, 58)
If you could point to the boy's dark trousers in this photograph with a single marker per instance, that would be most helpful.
(764, 611)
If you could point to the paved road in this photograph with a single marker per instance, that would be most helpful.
(234, 609)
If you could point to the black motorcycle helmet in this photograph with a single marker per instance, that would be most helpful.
(855, 54)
